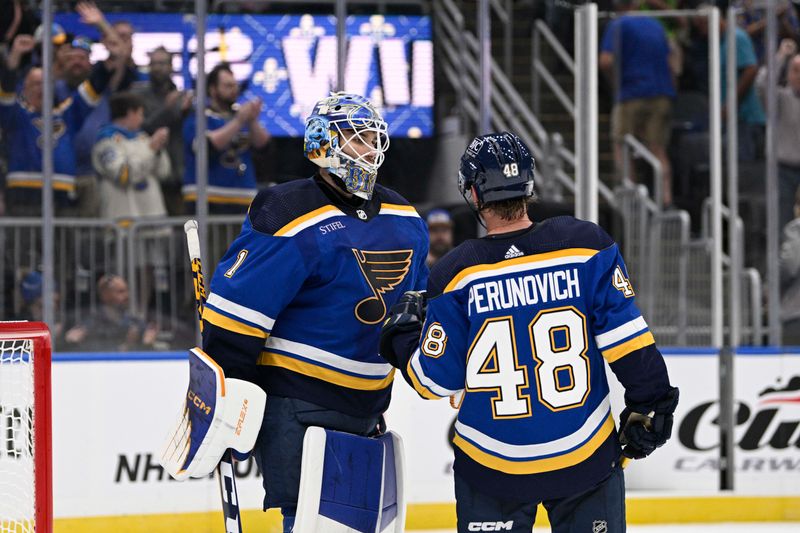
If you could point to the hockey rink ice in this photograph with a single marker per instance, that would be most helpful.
(740, 527)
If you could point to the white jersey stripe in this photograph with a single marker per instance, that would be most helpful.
(426, 381)
(369, 370)
(245, 313)
(522, 267)
(311, 221)
(535, 451)
(620, 332)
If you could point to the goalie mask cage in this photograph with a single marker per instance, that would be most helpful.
(26, 503)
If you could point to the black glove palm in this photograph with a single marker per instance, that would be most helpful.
(641, 433)
(406, 316)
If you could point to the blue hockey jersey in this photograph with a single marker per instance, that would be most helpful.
(23, 127)
(522, 322)
(231, 176)
(297, 301)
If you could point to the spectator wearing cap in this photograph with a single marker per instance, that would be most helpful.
(30, 289)
(440, 230)
(116, 36)
(75, 69)
(20, 119)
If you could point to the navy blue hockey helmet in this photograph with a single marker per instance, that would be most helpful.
(500, 167)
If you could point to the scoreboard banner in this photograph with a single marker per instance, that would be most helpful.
(290, 61)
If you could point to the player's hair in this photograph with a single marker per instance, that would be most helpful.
(510, 210)
(121, 103)
(213, 76)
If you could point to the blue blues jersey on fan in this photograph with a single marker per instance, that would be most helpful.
(24, 132)
(296, 303)
(523, 322)
(231, 176)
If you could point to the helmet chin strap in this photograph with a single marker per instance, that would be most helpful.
(476, 209)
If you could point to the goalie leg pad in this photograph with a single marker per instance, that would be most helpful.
(350, 483)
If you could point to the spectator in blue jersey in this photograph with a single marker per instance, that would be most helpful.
(518, 329)
(440, 234)
(296, 302)
(231, 135)
(21, 120)
(634, 54)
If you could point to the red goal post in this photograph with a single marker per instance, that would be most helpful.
(26, 490)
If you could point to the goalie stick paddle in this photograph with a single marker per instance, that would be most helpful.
(225, 471)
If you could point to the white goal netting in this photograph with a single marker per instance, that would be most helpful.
(17, 463)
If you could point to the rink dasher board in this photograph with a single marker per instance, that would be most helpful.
(110, 412)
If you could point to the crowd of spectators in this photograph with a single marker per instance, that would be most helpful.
(656, 70)
(124, 149)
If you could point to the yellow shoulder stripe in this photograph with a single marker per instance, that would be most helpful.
(538, 466)
(230, 324)
(536, 258)
(399, 207)
(305, 218)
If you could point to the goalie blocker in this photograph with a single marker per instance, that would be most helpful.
(217, 414)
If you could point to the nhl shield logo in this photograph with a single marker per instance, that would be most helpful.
(599, 526)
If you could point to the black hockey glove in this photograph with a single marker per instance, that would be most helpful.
(645, 428)
(406, 316)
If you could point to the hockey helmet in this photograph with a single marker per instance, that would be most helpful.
(500, 167)
(337, 132)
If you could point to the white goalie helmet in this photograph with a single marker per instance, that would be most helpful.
(338, 122)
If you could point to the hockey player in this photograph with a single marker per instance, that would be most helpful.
(297, 301)
(521, 321)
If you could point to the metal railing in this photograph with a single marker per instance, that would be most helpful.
(150, 254)
(540, 72)
(632, 147)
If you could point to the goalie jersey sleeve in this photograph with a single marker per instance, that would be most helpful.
(523, 322)
(297, 301)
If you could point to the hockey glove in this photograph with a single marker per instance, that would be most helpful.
(406, 316)
(642, 433)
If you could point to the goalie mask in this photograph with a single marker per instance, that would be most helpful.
(500, 167)
(347, 136)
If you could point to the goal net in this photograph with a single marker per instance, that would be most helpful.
(25, 464)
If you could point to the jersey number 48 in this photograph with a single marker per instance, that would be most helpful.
(558, 341)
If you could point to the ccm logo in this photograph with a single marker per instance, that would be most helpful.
(242, 416)
(491, 526)
(198, 402)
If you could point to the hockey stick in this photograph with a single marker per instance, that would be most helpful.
(225, 471)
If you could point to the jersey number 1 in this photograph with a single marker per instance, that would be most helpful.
(558, 343)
